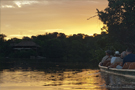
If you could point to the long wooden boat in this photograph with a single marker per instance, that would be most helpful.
(122, 72)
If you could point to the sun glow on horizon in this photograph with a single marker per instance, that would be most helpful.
(20, 18)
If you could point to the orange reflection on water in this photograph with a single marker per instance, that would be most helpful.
(85, 79)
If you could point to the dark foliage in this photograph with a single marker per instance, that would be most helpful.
(117, 34)
(57, 47)
(119, 17)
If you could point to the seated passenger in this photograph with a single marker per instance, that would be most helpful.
(115, 59)
(120, 59)
(116, 56)
(129, 58)
(106, 58)
(123, 54)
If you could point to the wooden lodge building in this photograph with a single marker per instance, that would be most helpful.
(26, 44)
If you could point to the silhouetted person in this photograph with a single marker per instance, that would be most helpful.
(118, 60)
(106, 58)
(130, 56)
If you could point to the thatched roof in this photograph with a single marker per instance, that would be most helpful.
(27, 42)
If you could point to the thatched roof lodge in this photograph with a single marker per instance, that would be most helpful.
(26, 43)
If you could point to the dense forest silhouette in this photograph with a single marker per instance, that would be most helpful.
(118, 33)
(57, 47)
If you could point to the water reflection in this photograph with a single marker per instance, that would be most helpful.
(114, 82)
(66, 79)
(69, 79)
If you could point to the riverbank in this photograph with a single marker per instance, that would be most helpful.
(47, 65)
(7, 63)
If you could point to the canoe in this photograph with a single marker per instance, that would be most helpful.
(122, 72)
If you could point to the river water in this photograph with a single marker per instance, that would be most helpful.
(67, 79)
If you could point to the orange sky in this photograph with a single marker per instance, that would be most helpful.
(33, 17)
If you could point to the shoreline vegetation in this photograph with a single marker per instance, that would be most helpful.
(36, 64)
(73, 50)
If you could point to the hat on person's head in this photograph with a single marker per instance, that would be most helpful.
(108, 51)
(117, 53)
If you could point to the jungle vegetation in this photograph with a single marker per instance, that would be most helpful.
(118, 33)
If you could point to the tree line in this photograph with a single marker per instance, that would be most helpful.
(58, 47)
(118, 33)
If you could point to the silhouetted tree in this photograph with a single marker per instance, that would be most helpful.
(119, 17)
(2, 37)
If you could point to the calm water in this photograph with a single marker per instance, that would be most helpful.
(68, 79)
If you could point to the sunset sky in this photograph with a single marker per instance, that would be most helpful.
(20, 18)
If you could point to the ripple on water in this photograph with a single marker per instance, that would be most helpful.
(85, 79)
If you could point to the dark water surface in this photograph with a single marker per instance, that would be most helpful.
(62, 79)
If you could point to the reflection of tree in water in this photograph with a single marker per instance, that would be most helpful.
(114, 82)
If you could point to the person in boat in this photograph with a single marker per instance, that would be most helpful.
(112, 61)
(115, 59)
(130, 57)
(118, 60)
(106, 58)
(116, 56)
(123, 54)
